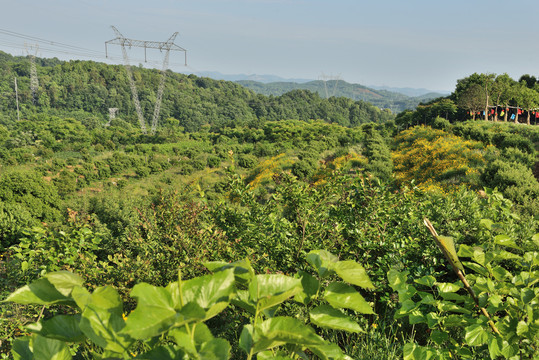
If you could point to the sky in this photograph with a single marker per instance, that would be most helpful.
(397, 43)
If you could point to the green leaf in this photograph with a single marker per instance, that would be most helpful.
(243, 271)
(21, 349)
(269, 290)
(447, 245)
(216, 349)
(284, 330)
(406, 307)
(476, 267)
(102, 320)
(500, 274)
(341, 295)
(322, 261)
(247, 338)
(465, 251)
(242, 300)
(476, 335)
(450, 307)
(329, 352)
(211, 292)
(353, 273)
(486, 223)
(310, 286)
(155, 312)
(166, 352)
(448, 287)
(412, 351)
(40, 292)
(416, 317)
(427, 280)
(535, 239)
(50, 349)
(433, 319)
(495, 346)
(327, 317)
(527, 295)
(505, 240)
(398, 280)
(439, 337)
(64, 281)
(522, 328)
(60, 327)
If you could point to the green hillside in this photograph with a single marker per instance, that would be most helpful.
(251, 226)
(384, 99)
(95, 87)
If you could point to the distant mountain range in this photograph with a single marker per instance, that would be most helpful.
(396, 99)
(383, 99)
(253, 77)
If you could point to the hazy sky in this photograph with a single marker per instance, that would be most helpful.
(400, 43)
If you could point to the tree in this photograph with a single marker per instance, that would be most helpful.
(529, 99)
(502, 93)
(485, 82)
(444, 107)
(471, 99)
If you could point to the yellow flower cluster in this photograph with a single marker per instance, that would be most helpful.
(268, 168)
(437, 160)
(339, 163)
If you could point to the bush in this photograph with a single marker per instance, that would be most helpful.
(247, 161)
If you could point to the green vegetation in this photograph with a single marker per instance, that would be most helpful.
(384, 99)
(237, 229)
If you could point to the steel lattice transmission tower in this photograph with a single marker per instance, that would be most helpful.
(166, 46)
(34, 83)
(325, 79)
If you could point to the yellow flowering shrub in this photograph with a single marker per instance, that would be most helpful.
(266, 169)
(350, 160)
(437, 160)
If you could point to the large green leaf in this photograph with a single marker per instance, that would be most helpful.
(50, 349)
(166, 352)
(21, 349)
(447, 245)
(60, 327)
(476, 335)
(247, 338)
(243, 271)
(215, 349)
(211, 292)
(64, 281)
(269, 290)
(328, 317)
(310, 286)
(242, 300)
(191, 342)
(412, 351)
(322, 261)
(102, 320)
(284, 330)
(341, 295)
(41, 292)
(505, 240)
(353, 273)
(156, 313)
(329, 352)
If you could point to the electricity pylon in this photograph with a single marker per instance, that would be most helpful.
(325, 78)
(167, 46)
(34, 83)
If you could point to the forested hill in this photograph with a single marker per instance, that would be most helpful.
(384, 99)
(95, 87)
